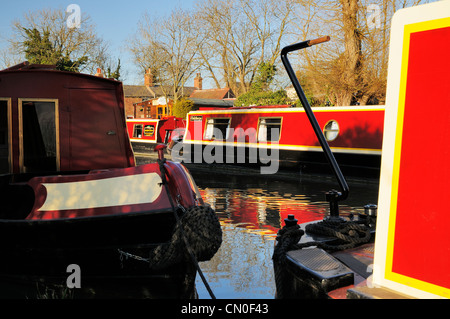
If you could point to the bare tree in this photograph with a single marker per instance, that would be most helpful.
(353, 67)
(169, 46)
(73, 43)
(9, 57)
(239, 36)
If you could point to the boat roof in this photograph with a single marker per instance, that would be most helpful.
(26, 66)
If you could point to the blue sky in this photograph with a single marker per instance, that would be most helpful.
(115, 20)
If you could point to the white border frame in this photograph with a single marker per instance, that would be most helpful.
(403, 17)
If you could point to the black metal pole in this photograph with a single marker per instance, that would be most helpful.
(312, 119)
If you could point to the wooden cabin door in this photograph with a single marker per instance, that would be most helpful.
(96, 132)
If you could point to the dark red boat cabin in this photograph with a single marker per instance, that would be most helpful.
(61, 121)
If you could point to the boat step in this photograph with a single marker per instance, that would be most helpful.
(318, 271)
(358, 259)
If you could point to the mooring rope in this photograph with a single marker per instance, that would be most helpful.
(199, 226)
(197, 232)
(287, 237)
(347, 234)
(181, 230)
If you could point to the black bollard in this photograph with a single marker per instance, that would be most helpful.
(290, 220)
(333, 197)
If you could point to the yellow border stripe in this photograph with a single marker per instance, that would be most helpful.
(408, 281)
(313, 148)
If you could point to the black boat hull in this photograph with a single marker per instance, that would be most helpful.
(305, 162)
(37, 253)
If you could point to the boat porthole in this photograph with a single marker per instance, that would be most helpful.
(331, 130)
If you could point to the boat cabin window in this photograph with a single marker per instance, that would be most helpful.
(4, 137)
(137, 130)
(269, 129)
(39, 135)
(331, 130)
(217, 128)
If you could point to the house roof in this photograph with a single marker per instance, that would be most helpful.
(152, 91)
(136, 91)
(215, 94)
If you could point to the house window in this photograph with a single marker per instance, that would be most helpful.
(217, 128)
(331, 130)
(162, 111)
(137, 130)
(269, 129)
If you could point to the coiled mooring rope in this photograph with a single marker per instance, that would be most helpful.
(197, 236)
(182, 234)
(346, 234)
(287, 238)
(203, 233)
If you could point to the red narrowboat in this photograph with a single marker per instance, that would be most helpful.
(145, 133)
(72, 194)
(281, 136)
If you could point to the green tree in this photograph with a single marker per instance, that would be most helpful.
(42, 36)
(40, 50)
(182, 107)
(255, 98)
(113, 74)
(260, 93)
(264, 76)
(66, 64)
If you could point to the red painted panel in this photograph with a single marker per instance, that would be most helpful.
(144, 122)
(357, 129)
(422, 241)
(169, 123)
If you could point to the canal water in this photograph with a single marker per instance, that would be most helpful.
(251, 209)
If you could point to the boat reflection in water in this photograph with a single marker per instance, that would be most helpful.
(251, 211)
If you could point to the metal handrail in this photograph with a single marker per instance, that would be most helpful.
(333, 196)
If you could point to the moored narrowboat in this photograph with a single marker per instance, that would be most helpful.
(281, 137)
(72, 195)
(145, 133)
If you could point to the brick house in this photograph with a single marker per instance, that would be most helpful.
(149, 100)
(211, 97)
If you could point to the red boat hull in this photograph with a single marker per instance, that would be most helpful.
(240, 137)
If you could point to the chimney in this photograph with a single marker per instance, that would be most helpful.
(99, 73)
(198, 81)
(148, 77)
